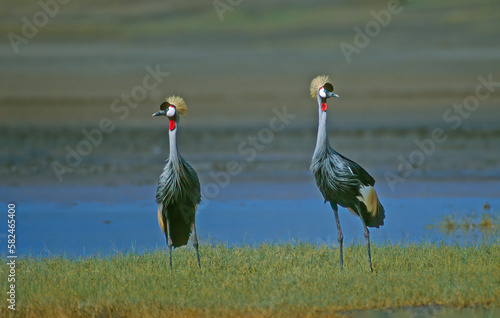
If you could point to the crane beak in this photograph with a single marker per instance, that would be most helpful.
(160, 113)
(332, 94)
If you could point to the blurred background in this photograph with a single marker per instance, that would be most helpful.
(67, 67)
(233, 65)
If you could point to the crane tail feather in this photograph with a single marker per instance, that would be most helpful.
(160, 219)
(375, 213)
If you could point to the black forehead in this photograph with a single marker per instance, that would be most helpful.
(164, 105)
(328, 87)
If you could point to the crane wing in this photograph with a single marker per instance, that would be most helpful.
(358, 171)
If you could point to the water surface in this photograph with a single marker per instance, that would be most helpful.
(85, 220)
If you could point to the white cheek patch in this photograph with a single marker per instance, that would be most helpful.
(322, 92)
(171, 112)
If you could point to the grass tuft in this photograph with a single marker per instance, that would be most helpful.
(486, 223)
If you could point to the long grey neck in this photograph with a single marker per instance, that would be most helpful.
(322, 138)
(172, 137)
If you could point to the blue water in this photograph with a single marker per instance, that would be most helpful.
(88, 220)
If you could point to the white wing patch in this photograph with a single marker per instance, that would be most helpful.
(160, 218)
(369, 198)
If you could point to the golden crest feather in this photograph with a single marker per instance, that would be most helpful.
(317, 82)
(179, 103)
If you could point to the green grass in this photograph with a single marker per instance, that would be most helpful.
(269, 280)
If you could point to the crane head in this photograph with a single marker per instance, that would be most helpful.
(171, 108)
(321, 86)
(326, 91)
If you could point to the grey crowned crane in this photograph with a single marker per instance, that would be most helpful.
(342, 181)
(178, 193)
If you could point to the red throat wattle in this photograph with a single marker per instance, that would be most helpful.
(323, 107)
(171, 124)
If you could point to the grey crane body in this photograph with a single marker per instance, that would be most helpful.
(343, 182)
(338, 178)
(178, 193)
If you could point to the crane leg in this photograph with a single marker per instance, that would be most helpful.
(195, 244)
(169, 241)
(367, 237)
(340, 236)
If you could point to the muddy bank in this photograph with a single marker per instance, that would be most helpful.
(136, 155)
